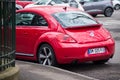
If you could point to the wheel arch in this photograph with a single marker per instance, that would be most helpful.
(109, 7)
(117, 4)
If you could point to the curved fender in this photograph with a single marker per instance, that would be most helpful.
(49, 37)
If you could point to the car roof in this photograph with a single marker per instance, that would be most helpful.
(49, 9)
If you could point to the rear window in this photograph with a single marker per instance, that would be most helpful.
(74, 18)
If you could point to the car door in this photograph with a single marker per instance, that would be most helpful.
(29, 27)
(98, 5)
(88, 5)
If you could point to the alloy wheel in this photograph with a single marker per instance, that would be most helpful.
(46, 55)
(108, 12)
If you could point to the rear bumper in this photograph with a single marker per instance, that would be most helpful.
(69, 52)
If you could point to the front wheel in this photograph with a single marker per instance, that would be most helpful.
(101, 61)
(117, 7)
(46, 55)
(108, 12)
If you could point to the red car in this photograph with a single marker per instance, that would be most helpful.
(23, 3)
(51, 35)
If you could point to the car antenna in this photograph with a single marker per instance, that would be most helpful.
(65, 8)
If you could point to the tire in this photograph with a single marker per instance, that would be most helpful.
(108, 12)
(46, 55)
(101, 61)
(94, 15)
(117, 7)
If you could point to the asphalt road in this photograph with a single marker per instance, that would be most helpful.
(110, 70)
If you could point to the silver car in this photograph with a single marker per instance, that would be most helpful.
(95, 7)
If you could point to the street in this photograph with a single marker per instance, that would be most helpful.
(110, 70)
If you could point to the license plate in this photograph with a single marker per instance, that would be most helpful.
(96, 50)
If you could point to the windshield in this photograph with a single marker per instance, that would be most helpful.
(74, 18)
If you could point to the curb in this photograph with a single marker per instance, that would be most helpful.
(73, 73)
(10, 74)
(47, 71)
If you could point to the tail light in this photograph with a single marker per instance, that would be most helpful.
(64, 38)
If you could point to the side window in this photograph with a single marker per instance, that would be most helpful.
(95, 0)
(24, 19)
(65, 1)
(100, 0)
(39, 21)
(88, 0)
(73, 3)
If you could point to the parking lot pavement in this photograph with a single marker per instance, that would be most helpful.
(34, 71)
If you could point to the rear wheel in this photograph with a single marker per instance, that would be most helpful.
(108, 12)
(101, 61)
(46, 55)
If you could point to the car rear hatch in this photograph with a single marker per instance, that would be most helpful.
(88, 34)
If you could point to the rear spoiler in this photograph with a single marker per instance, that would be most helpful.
(76, 27)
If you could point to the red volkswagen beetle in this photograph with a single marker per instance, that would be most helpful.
(51, 35)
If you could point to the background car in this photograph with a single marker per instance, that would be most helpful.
(72, 3)
(116, 4)
(18, 7)
(23, 3)
(63, 35)
(95, 7)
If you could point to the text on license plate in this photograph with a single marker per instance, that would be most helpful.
(96, 50)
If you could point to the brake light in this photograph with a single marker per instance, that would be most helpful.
(64, 38)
